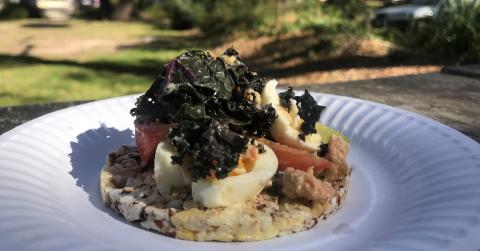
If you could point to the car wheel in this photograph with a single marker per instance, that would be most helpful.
(384, 21)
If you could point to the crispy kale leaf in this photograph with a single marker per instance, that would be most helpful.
(308, 108)
(285, 98)
(213, 147)
(209, 100)
(190, 80)
(322, 152)
(243, 77)
(197, 86)
(309, 111)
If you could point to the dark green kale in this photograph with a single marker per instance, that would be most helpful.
(212, 147)
(308, 108)
(231, 52)
(261, 148)
(323, 150)
(285, 98)
(275, 189)
(309, 111)
(262, 121)
(243, 77)
(197, 86)
(192, 79)
(211, 97)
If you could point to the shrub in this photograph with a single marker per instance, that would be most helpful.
(330, 18)
(14, 11)
(154, 12)
(179, 13)
(332, 24)
(216, 17)
(453, 35)
(228, 17)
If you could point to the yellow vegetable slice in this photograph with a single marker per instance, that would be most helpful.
(327, 132)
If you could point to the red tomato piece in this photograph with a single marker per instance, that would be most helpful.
(298, 159)
(147, 136)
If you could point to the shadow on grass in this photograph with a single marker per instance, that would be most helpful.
(10, 61)
(274, 59)
(47, 25)
(144, 67)
(147, 67)
(266, 66)
(277, 58)
(195, 41)
(78, 76)
(7, 95)
(346, 62)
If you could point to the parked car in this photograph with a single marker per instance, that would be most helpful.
(56, 9)
(404, 15)
(93, 4)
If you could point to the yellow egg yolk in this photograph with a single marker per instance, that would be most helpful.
(245, 162)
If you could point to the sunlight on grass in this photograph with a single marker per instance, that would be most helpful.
(48, 83)
(82, 28)
(139, 57)
(123, 58)
(26, 82)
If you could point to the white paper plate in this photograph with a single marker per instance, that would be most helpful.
(415, 184)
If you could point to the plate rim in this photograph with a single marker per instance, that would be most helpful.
(469, 142)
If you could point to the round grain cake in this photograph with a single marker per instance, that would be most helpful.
(131, 191)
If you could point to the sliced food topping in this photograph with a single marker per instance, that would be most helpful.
(213, 147)
(201, 94)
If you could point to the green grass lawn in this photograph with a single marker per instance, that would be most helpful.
(95, 73)
(43, 61)
(34, 83)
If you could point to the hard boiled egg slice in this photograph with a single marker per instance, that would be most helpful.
(269, 94)
(286, 127)
(234, 189)
(167, 175)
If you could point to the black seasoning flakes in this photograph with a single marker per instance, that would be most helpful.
(261, 148)
(323, 150)
(285, 98)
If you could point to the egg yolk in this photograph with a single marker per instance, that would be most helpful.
(245, 162)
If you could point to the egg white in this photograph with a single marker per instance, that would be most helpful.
(167, 175)
(234, 189)
(213, 192)
(286, 127)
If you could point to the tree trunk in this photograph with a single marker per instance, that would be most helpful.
(124, 9)
(106, 9)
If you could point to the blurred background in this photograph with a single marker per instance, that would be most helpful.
(64, 50)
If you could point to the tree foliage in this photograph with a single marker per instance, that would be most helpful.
(217, 17)
(454, 34)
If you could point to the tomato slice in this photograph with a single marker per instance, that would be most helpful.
(147, 136)
(298, 159)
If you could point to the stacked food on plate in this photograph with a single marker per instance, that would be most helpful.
(220, 155)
